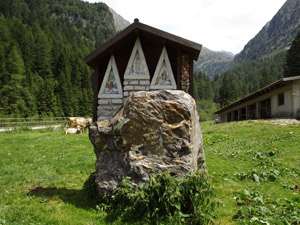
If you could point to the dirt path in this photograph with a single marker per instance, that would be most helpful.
(282, 122)
(32, 128)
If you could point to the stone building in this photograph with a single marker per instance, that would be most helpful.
(139, 58)
(280, 99)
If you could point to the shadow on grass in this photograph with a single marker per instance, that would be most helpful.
(85, 198)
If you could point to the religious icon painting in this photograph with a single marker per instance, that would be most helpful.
(137, 67)
(163, 77)
(111, 85)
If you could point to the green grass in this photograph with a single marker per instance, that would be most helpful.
(232, 148)
(42, 173)
(41, 178)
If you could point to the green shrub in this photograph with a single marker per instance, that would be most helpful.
(164, 199)
(266, 174)
(256, 209)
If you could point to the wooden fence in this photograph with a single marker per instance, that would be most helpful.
(31, 122)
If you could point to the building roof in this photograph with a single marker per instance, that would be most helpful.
(138, 28)
(259, 92)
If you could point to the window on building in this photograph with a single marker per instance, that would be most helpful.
(281, 99)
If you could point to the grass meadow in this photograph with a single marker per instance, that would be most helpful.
(254, 167)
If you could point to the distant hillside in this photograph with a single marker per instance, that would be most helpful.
(262, 60)
(275, 36)
(212, 63)
(228, 53)
(268, 47)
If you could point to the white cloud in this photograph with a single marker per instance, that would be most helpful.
(216, 24)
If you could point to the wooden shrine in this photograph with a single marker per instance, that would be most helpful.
(139, 58)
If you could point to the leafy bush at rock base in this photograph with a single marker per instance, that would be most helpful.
(164, 198)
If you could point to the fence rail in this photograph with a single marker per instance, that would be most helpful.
(30, 122)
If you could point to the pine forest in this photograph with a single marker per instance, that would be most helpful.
(42, 44)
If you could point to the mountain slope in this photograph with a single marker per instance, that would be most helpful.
(270, 43)
(275, 36)
(212, 63)
(262, 60)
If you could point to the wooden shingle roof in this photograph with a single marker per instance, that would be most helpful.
(140, 29)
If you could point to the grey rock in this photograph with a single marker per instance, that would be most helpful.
(119, 22)
(154, 131)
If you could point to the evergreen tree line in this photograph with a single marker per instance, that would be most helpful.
(244, 79)
(42, 44)
(204, 93)
(237, 82)
(292, 66)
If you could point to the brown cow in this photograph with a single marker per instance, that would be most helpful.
(79, 121)
(72, 130)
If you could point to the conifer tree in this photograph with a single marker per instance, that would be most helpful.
(42, 62)
(209, 93)
(228, 91)
(266, 78)
(292, 67)
(47, 103)
(16, 99)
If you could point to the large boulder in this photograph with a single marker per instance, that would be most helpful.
(154, 131)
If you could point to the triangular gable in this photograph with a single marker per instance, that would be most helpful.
(111, 85)
(137, 67)
(163, 77)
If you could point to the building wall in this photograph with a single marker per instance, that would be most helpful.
(296, 99)
(290, 108)
(285, 110)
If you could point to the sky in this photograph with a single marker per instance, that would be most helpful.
(216, 24)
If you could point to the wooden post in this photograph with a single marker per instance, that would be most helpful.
(179, 62)
(191, 77)
(96, 90)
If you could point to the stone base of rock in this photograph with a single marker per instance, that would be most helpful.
(154, 132)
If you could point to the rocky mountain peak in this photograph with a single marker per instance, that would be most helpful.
(119, 22)
(276, 35)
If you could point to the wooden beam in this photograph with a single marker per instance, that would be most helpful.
(179, 64)
(96, 89)
(191, 76)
